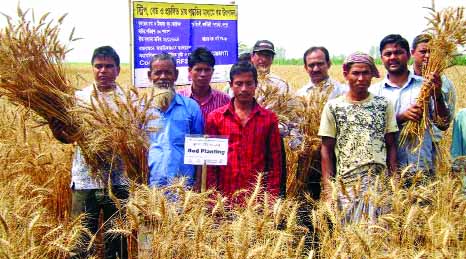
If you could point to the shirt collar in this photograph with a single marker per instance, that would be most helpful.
(256, 109)
(411, 78)
(326, 83)
(211, 94)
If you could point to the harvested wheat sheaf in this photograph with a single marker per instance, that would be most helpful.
(448, 31)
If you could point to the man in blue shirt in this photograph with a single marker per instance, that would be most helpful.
(175, 117)
(402, 88)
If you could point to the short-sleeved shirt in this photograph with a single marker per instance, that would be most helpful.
(334, 87)
(80, 173)
(166, 150)
(215, 100)
(359, 129)
(404, 97)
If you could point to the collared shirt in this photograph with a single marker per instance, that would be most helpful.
(166, 151)
(337, 88)
(252, 148)
(404, 97)
(80, 174)
(215, 100)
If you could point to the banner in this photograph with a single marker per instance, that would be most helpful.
(179, 28)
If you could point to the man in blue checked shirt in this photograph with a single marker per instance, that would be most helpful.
(175, 116)
(402, 87)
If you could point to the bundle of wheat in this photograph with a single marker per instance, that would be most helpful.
(32, 75)
(117, 131)
(448, 30)
(31, 68)
(307, 154)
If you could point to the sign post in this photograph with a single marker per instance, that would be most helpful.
(205, 150)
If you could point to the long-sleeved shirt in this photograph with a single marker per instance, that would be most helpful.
(166, 151)
(215, 100)
(252, 148)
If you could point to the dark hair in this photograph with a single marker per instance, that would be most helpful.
(106, 52)
(201, 55)
(244, 57)
(312, 49)
(162, 56)
(421, 38)
(243, 67)
(395, 39)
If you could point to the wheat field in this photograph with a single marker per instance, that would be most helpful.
(425, 221)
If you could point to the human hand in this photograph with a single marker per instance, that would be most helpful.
(436, 81)
(59, 131)
(413, 113)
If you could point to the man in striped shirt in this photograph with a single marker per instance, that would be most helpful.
(201, 64)
(253, 138)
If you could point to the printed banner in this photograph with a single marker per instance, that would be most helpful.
(213, 150)
(178, 29)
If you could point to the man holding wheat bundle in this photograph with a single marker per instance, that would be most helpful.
(403, 88)
(89, 193)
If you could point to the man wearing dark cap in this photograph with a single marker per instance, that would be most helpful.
(262, 56)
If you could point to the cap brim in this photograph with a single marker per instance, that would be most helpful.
(264, 49)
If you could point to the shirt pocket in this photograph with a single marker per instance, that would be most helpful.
(179, 129)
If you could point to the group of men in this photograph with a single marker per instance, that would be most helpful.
(359, 124)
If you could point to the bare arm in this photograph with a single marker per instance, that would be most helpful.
(392, 162)
(327, 153)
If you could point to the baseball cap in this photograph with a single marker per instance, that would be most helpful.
(263, 45)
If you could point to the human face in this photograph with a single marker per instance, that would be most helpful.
(262, 60)
(316, 66)
(359, 78)
(243, 87)
(201, 74)
(163, 74)
(421, 55)
(395, 59)
(105, 72)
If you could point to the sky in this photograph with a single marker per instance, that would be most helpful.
(341, 26)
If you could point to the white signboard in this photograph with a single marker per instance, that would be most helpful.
(212, 150)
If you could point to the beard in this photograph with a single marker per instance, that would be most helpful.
(163, 96)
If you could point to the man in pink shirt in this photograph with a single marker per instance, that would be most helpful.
(201, 64)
